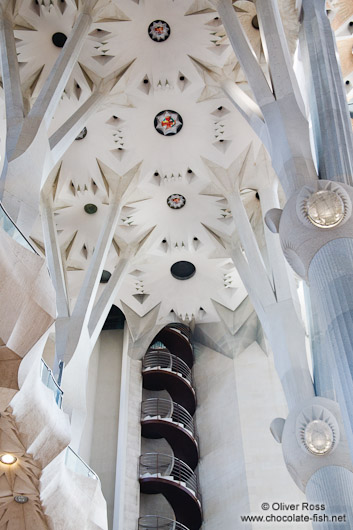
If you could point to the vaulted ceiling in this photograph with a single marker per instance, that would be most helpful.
(178, 70)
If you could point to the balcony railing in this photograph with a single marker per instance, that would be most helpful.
(76, 464)
(159, 465)
(11, 229)
(48, 379)
(164, 360)
(181, 328)
(165, 409)
(154, 522)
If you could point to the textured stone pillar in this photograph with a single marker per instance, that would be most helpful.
(332, 486)
(328, 106)
(322, 370)
(331, 287)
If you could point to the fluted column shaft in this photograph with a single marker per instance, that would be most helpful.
(331, 287)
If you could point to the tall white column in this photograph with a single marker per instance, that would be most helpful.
(333, 135)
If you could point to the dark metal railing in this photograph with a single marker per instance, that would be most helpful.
(166, 361)
(154, 522)
(167, 466)
(184, 330)
(166, 409)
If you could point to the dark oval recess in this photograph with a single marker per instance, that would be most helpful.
(105, 276)
(90, 208)
(59, 39)
(182, 270)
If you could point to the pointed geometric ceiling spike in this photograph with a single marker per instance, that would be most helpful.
(215, 336)
(263, 167)
(239, 9)
(228, 180)
(103, 59)
(118, 184)
(248, 168)
(139, 326)
(200, 7)
(23, 24)
(233, 320)
(222, 239)
(136, 273)
(69, 245)
(207, 68)
(38, 244)
(141, 297)
(210, 92)
(222, 145)
(145, 242)
(90, 77)
(30, 84)
(109, 13)
(112, 81)
(127, 182)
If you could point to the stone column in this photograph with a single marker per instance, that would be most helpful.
(337, 496)
(328, 105)
(331, 286)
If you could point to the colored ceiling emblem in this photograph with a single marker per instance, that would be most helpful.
(159, 30)
(176, 201)
(168, 122)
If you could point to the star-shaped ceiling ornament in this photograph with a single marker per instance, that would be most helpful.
(168, 122)
(176, 201)
(159, 30)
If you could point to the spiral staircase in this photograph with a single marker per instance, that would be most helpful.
(167, 366)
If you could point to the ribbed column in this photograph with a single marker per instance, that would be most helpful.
(331, 289)
(330, 116)
(332, 487)
(322, 370)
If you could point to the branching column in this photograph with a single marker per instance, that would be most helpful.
(30, 154)
(328, 103)
(285, 132)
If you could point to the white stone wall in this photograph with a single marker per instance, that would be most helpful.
(133, 448)
(102, 423)
(260, 400)
(222, 468)
(241, 465)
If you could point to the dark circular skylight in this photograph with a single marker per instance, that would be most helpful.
(168, 122)
(159, 30)
(90, 208)
(176, 201)
(59, 39)
(105, 276)
(82, 134)
(182, 270)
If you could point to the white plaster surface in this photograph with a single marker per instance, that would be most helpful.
(71, 501)
(261, 399)
(133, 448)
(221, 469)
(106, 413)
(87, 434)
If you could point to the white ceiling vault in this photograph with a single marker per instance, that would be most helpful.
(180, 74)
